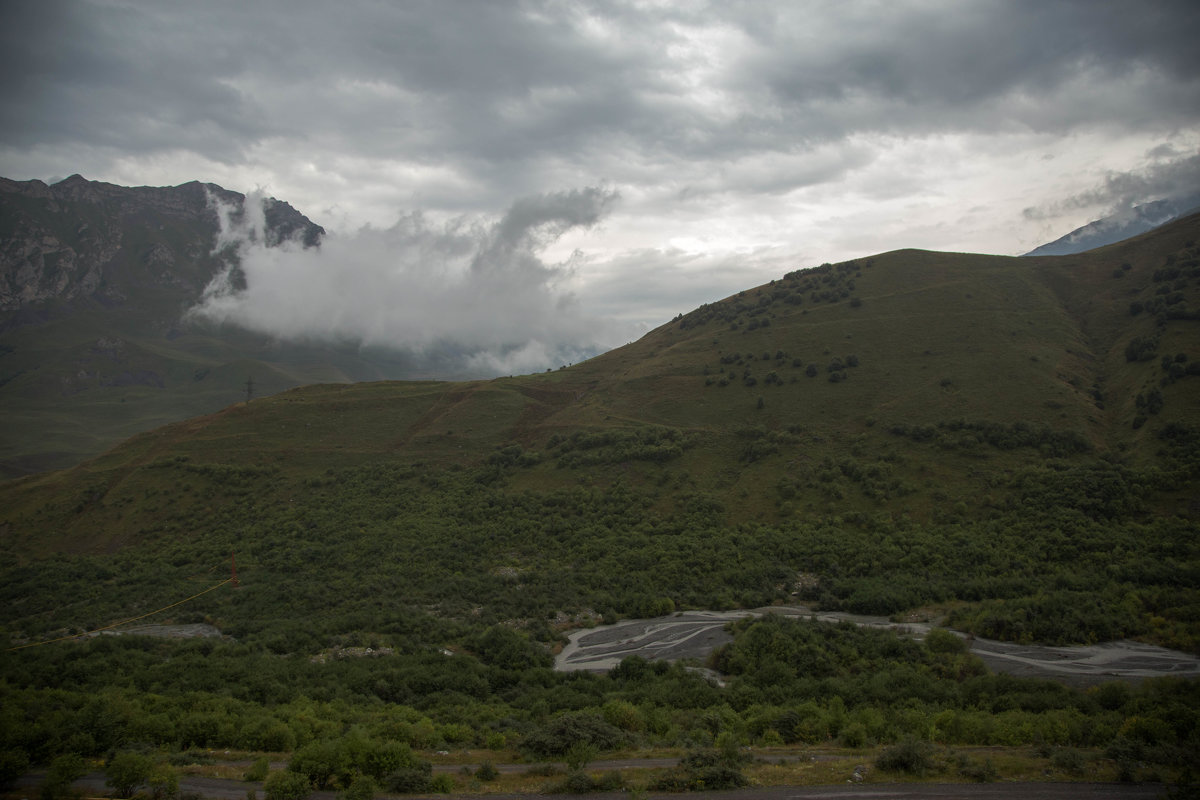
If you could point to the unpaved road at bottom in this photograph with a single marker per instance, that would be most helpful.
(221, 789)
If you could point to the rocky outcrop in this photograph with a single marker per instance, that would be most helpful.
(41, 260)
(81, 239)
(95, 282)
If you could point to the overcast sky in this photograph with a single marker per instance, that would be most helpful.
(580, 172)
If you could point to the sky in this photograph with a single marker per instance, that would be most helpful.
(530, 182)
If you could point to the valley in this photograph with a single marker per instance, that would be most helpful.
(1010, 441)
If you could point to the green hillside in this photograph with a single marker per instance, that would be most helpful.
(913, 387)
(1009, 445)
(75, 386)
(95, 345)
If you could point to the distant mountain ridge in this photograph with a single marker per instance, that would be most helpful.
(1120, 226)
(71, 240)
(95, 280)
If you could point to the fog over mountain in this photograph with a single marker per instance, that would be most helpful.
(478, 288)
(1121, 225)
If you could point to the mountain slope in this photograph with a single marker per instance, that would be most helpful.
(94, 282)
(1006, 446)
(912, 430)
(840, 352)
(1128, 223)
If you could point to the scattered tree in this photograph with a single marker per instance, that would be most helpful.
(286, 785)
(125, 772)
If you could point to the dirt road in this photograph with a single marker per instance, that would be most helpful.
(219, 789)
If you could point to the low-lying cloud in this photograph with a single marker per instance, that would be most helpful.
(1171, 176)
(479, 289)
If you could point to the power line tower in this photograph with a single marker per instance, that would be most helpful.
(249, 389)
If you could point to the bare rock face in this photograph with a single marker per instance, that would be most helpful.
(41, 267)
(80, 239)
(95, 280)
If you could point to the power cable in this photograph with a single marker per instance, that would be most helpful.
(122, 622)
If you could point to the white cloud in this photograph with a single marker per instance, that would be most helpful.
(470, 287)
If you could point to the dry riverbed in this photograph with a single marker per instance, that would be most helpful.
(695, 634)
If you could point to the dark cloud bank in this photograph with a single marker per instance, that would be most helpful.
(725, 128)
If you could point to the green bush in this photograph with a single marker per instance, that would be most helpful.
(267, 734)
(13, 764)
(503, 647)
(413, 778)
(319, 763)
(981, 771)
(378, 759)
(258, 770)
(1069, 760)
(63, 771)
(940, 640)
(1141, 349)
(362, 787)
(562, 733)
(125, 772)
(853, 735)
(912, 757)
(580, 782)
(703, 770)
(286, 785)
(163, 782)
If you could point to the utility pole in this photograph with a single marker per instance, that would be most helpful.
(249, 389)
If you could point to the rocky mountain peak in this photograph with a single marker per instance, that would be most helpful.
(77, 239)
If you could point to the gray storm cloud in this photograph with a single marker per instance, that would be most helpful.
(1171, 177)
(474, 287)
(802, 131)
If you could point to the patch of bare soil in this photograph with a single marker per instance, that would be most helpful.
(194, 631)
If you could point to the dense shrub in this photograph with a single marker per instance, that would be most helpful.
(563, 732)
(319, 762)
(940, 640)
(1141, 349)
(413, 777)
(702, 770)
(981, 771)
(125, 772)
(258, 770)
(362, 787)
(286, 785)
(579, 782)
(13, 764)
(912, 757)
